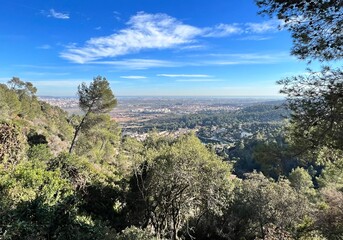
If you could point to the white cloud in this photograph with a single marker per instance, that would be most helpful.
(155, 31)
(138, 63)
(133, 77)
(58, 15)
(45, 73)
(117, 15)
(145, 31)
(266, 26)
(223, 30)
(198, 60)
(72, 82)
(247, 58)
(198, 80)
(59, 83)
(184, 75)
(192, 47)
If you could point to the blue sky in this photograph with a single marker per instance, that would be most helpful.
(145, 47)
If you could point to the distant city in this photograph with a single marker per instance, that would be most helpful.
(178, 115)
(138, 108)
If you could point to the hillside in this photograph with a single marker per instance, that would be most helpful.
(164, 187)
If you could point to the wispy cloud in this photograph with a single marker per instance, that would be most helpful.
(198, 60)
(117, 15)
(71, 82)
(54, 14)
(255, 38)
(133, 77)
(155, 31)
(184, 75)
(145, 31)
(192, 47)
(199, 80)
(247, 58)
(45, 73)
(59, 83)
(138, 63)
(266, 26)
(223, 30)
(44, 46)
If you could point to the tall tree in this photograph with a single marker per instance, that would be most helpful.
(316, 26)
(95, 98)
(316, 102)
(315, 99)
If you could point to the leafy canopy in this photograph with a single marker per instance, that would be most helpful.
(316, 102)
(97, 97)
(316, 26)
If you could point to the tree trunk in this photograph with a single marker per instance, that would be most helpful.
(77, 130)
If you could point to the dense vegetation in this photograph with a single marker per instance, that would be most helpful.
(249, 118)
(163, 187)
(75, 177)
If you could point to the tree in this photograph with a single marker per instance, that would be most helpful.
(316, 26)
(329, 218)
(100, 139)
(315, 99)
(264, 209)
(95, 98)
(180, 181)
(9, 102)
(316, 102)
(22, 88)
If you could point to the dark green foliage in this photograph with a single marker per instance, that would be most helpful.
(316, 26)
(97, 97)
(162, 187)
(178, 181)
(266, 116)
(34, 138)
(9, 103)
(134, 233)
(273, 156)
(316, 102)
(260, 209)
(105, 203)
(40, 152)
(74, 169)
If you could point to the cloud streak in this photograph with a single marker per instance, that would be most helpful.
(133, 77)
(198, 60)
(267, 26)
(198, 80)
(222, 30)
(138, 63)
(184, 75)
(59, 15)
(153, 31)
